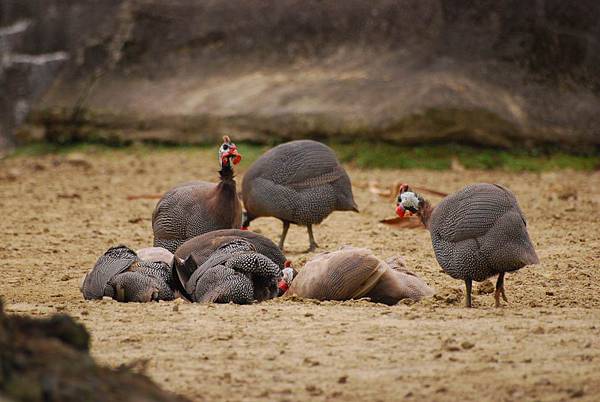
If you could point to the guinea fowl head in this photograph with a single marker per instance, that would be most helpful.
(408, 201)
(228, 153)
(288, 275)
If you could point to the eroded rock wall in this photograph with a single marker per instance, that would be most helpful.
(508, 73)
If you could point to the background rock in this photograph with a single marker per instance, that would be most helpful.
(508, 73)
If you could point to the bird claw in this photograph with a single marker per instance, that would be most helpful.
(499, 292)
(312, 248)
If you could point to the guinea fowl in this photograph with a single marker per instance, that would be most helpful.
(234, 272)
(298, 182)
(198, 207)
(121, 274)
(196, 251)
(476, 233)
(353, 273)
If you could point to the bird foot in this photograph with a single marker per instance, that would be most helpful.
(499, 293)
(312, 248)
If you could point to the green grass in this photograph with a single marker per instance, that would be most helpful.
(368, 155)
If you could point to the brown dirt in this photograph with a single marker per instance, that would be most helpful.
(59, 213)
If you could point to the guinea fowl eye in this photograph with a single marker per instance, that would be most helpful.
(225, 147)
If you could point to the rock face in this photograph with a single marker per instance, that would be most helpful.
(48, 360)
(23, 78)
(508, 73)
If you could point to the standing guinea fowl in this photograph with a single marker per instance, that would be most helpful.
(299, 182)
(476, 233)
(198, 207)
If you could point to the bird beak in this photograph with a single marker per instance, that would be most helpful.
(232, 152)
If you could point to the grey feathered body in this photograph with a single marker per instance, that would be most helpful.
(120, 268)
(300, 182)
(234, 272)
(203, 246)
(479, 232)
(195, 208)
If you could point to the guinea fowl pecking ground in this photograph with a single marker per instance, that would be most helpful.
(61, 212)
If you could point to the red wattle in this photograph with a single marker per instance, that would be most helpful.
(283, 286)
(244, 228)
(400, 211)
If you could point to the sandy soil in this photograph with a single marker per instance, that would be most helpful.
(59, 213)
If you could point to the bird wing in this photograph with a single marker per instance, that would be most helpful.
(341, 275)
(471, 212)
(114, 261)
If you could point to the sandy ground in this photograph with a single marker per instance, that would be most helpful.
(59, 213)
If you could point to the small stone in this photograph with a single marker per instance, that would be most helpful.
(78, 160)
(575, 393)
(467, 345)
(485, 287)
(450, 345)
(176, 308)
(313, 390)
(343, 379)
(538, 331)
(65, 278)
(452, 299)
(311, 362)
(12, 174)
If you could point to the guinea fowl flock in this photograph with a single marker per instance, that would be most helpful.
(203, 251)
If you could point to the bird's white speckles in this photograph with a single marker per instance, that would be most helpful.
(409, 199)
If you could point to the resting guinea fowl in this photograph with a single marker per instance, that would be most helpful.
(196, 251)
(299, 182)
(198, 207)
(353, 273)
(234, 272)
(476, 233)
(121, 274)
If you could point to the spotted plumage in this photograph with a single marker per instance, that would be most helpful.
(299, 182)
(119, 273)
(200, 248)
(476, 233)
(199, 207)
(234, 272)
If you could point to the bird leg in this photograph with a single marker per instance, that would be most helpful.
(286, 227)
(500, 290)
(311, 239)
(469, 285)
